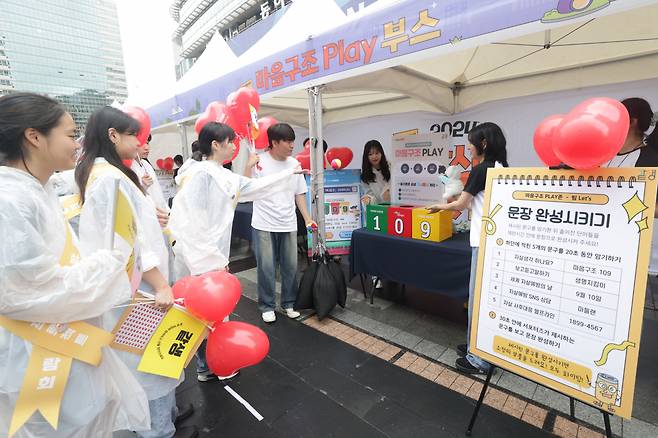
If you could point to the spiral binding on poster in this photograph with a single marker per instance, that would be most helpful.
(563, 181)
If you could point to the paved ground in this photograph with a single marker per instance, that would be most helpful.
(387, 370)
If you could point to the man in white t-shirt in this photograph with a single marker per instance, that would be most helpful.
(275, 225)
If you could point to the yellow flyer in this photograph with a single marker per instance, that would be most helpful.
(561, 278)
(172, 344)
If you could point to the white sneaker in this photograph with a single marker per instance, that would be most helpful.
(269, 316)
(292, 313)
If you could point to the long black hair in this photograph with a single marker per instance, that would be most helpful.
(98, 145)
(367, 175)
(495, 150)
(214, 131)
(640, 110)
(22, 111)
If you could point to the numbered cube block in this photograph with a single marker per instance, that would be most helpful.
(399, 221)
(434, 227)
(377, 217)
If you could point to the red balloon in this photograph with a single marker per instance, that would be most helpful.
(592, 133)
(160, 163)
(168, 163)
(213, 296)
(216, 110)
(201, 122)
(180, 288)
(127, 163)
(237, 105)
(543, 140)
(345, 155)
(612, 111)
(144, 121)
(262, 142)
(305, 161)
(234, 345)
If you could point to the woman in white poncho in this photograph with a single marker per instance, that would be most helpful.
(38, 284)
(202, 213)
(110, 138)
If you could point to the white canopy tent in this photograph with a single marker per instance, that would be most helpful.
(592, 51)
(611, 49)
(616, 44)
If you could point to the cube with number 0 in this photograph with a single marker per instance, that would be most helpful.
(433, 227)
(399, 221)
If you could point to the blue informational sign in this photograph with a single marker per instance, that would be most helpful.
(342, 208)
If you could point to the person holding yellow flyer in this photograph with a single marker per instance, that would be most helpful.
(202, 211)
(114, 204)
(486, 145)
(51, 299)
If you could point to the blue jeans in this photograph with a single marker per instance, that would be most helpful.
(163, 414)
(201, 364)
(472, 359)
(272, 248)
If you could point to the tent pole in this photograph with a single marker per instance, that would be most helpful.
(182, 131)
(317, 159)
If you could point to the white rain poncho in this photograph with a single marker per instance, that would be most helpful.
(35, 287)
(142, 168)
(202, 213)
(152, 252)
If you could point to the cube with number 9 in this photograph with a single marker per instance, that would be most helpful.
(433, 227)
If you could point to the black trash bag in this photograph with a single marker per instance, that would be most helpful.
(341, 284)
(325, 290)
(305, 290)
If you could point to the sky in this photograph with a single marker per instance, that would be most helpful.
(146, 30)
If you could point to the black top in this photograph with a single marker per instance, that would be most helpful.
(648, 157)
(477, 180)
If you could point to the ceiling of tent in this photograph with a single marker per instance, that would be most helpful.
(609, 49)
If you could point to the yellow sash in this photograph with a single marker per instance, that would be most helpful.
(54, 346)
(124, 224)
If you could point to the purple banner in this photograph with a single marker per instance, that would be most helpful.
(404, 28)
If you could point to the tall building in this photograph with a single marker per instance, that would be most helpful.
(198, 20)
(69, 50)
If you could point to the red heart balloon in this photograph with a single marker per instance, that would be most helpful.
(237, 104)
(234, 345)
(216, 110)
(168, 163)
(144, 121)
(160, 163)
(344, 154)
(127, 163)
(262, 142)
(202, 121)
(180, 288)
(543, 140)
(592, 133)
(304, 160)
(613, 112)
(213, 296)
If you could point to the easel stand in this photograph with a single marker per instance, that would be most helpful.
(572, 406)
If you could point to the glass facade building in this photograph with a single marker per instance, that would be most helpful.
(198, 20)
(69, 50)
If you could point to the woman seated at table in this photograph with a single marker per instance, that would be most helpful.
(375, 174)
